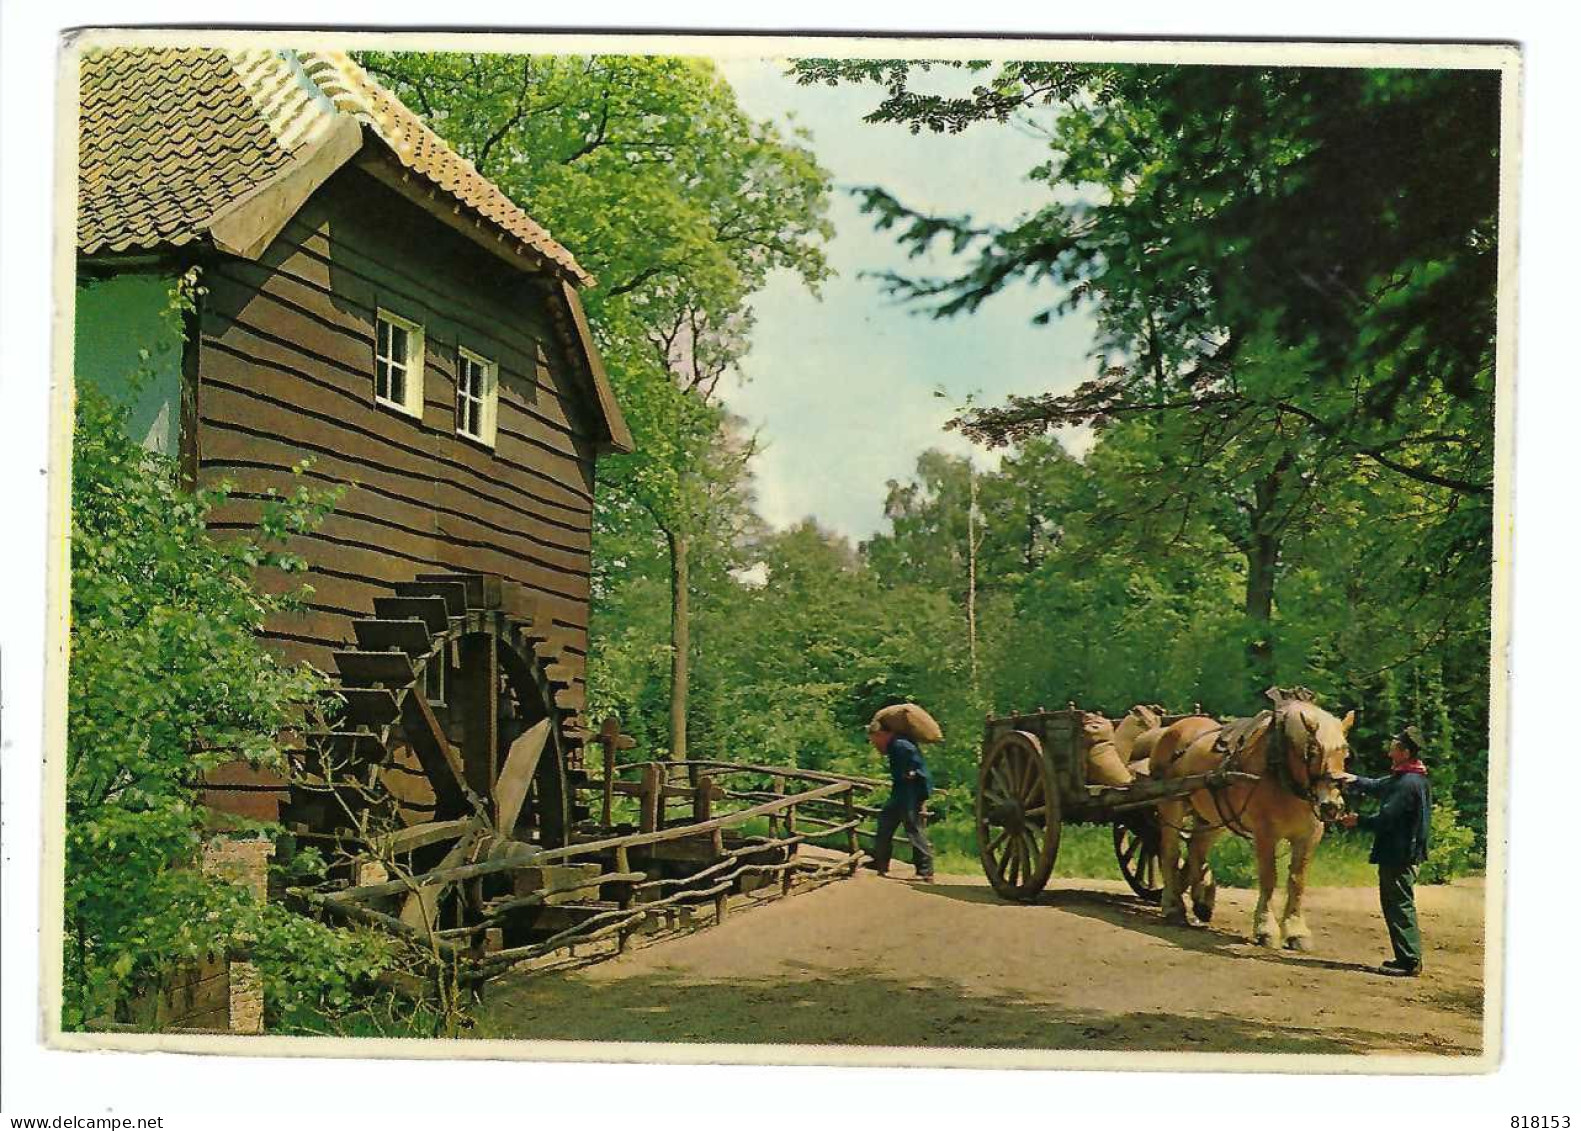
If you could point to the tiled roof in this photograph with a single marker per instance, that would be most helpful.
(167, 137)
(170, 136)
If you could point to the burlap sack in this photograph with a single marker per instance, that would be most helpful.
(909, 721)
(1104, 766)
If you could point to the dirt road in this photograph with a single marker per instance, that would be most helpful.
(872, 961)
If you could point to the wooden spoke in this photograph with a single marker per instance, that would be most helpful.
(1032, 783)
(998, 840)
(1001, 775)
(441, 764)
(1136, 851)
(1026, 771)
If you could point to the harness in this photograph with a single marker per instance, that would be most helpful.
(1277, 763)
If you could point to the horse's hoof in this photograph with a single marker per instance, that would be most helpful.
(1176, 919)
(1270, 941)
(1203, 911)
(1298, 942)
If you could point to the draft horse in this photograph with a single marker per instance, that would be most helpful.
(1297, 751)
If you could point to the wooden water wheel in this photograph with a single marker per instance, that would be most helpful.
(452, 746)
(1018, 815)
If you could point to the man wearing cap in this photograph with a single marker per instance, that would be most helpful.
(1399, 844)
(910, 786)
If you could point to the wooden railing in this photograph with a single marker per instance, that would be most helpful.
(800, 808)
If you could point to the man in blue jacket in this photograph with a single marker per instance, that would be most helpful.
(910, 786)
(1399, 844)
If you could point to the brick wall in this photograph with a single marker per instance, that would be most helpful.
(243, 860)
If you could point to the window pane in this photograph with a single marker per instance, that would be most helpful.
(398, 345)
(381, 379)
(397, 392)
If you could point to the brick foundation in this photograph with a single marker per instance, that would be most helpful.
(242, 860)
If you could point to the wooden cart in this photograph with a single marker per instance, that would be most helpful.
(1032, 780)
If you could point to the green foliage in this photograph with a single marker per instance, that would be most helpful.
(1451, 849)
(1341, 861)
(168, 680)
(314, 977)
(679, 203)
(1285, 484)
(1292, 475)
(1196, 199)
(682, 206)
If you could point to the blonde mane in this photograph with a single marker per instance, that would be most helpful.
(1303, 718)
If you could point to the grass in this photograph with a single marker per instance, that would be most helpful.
(1087, 852)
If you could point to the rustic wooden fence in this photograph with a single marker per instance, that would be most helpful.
(674, 844)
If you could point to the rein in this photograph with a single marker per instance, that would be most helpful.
(1311, 762)
(1278, 766)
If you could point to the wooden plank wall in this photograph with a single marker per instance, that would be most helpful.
(286, 372)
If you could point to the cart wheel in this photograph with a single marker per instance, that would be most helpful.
(1018, 816)
(1136, 848)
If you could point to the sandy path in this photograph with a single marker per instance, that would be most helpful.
(882, 961)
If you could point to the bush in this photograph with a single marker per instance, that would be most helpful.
(1451, 849)
(1234, 863)
(167, 680)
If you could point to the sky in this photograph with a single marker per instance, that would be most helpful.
(841, 389)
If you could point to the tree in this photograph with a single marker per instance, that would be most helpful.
(168, 679)
(1283, 283)
(682, 206)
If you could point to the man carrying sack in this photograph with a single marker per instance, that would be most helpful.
(1399, 844)
(895, 732)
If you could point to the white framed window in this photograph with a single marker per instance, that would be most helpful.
(477, 396)
(398, 364)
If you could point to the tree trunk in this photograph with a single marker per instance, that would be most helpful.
(1262, 569)
(680, 644)
(971, 576)
(1262, 564)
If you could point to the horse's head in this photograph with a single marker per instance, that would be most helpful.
(1316, 746)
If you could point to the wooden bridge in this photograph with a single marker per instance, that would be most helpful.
(677, 841)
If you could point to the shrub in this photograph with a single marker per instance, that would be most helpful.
(167, 680)
(1451, 849)
(1234, 863)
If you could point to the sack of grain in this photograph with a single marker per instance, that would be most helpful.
(909, 721)
(1104, 766)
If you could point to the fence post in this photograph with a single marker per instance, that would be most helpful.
(703, 800)
(623, 894)
(790, 851)
(652, 798)
(774, 818)
(852, 842)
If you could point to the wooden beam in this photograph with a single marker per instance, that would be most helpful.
(421, 836)
(521, 763)
(248, 225)
(475, 702)
(441, 764)
(420, 908)
(620, 439)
